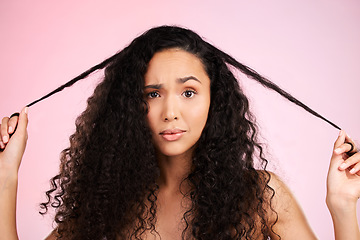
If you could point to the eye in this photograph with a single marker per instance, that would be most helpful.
(153, 94)
(189, 93)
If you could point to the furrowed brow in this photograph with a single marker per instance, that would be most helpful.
(185, 79)
(154, 86)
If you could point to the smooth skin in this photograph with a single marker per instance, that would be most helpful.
(10, 160)
(177, 90)
(179, 103)
(343, 188)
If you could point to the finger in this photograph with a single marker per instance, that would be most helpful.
(15, 149)
(23, 120)
(12, 124)
(4, 130)
(355, 169)
(2, 145)
(354, 148)
(20, 135)
(354, 159)
(340, 140)
(344, 148)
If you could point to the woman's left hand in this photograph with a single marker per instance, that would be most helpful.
(343, 182)
(343, 188)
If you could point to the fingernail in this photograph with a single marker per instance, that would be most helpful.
(337, 151)
(352, 171)
(343, 166)
(10, 129)
(5, 139)
(26, 110)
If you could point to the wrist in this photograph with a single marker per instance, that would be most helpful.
(344, 206)
(343, 214)
(8, 178)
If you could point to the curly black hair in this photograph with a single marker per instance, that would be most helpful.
(107, 184)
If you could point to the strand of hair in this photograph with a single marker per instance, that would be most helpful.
(74, 80)
(268, 84)
(246, 70)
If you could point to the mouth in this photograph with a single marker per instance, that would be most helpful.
(172, 134)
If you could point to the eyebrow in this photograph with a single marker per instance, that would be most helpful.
(155, 86)
(179, 80)
(185, 79)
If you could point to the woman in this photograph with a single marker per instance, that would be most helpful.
(166, 149)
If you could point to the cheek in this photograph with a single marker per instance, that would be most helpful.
(152, 117)
(199, 115)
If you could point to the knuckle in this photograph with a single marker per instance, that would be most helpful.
(5, 119)
(350, 161)
(355, 161)
(13, 122)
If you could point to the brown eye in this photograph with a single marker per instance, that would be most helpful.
(153, 94)
(189, 93)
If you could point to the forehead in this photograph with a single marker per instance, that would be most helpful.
(174, 63)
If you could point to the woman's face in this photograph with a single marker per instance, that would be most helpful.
(177, 89)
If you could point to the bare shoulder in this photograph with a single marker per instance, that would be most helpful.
(52, 236)
(290, 221)
(282, 192)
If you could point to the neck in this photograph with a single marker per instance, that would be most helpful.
(173, 170)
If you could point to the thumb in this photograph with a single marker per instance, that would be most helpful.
(15, 148)
(340, 140)
(337, 158)
(17, 142)
(23, 120)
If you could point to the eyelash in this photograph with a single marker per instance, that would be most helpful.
(189, 91)
(151, 94)
(148, 95)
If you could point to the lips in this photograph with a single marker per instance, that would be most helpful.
(172, 134)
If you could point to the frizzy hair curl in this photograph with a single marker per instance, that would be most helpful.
(107, 184)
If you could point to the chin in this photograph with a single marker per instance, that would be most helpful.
(174, 151)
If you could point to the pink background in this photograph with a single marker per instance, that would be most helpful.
(310, 48)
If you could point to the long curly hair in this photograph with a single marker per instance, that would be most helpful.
(107, 184)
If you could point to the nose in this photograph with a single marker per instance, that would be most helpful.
(170, 109)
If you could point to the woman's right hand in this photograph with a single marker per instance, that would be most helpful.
(12, 148)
